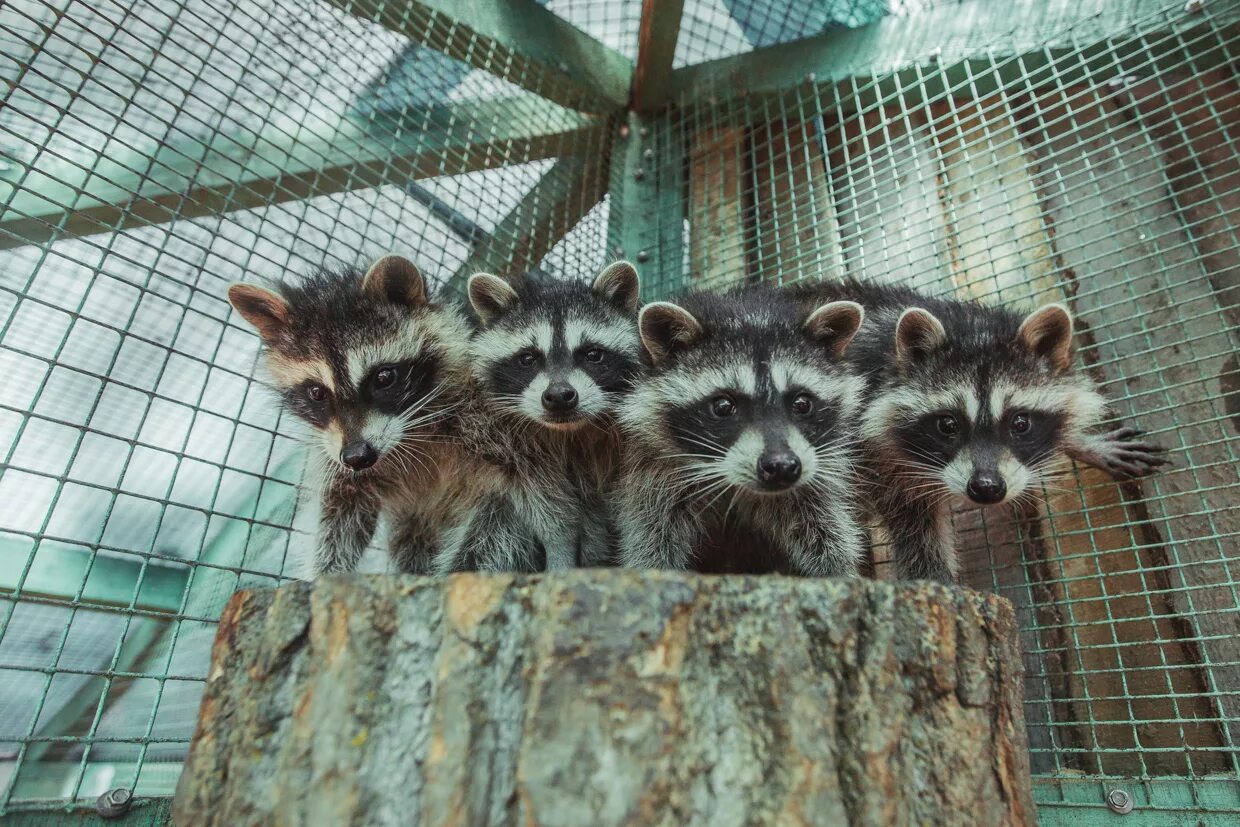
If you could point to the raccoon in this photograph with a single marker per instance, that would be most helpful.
(551, 360)
(967, 401)
(380, 373)
(746, 415)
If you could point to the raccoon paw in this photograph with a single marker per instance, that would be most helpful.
(1122, 455)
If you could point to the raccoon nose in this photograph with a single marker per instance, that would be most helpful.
(986, 487)
(779, 469)
(359, 455)
(559, 397)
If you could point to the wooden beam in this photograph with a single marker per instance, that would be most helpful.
(718, 240)
(647, 210)
(656, 47)
(973, 48)
(190, 179)
(536, 48)
(564, 194)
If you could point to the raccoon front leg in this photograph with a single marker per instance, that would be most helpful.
(655, 531)
(822, 544)
(346, 526)
(413, 546)
(923, 545)
(493, 538)
(1119, 453)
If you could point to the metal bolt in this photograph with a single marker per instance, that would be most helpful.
(937, 54)
(624, 131)
(644, 132)
(619, 251)
(1194, 6)
(563, 66)
(648, 154)
(642, 255)
(811, 78)
(114, 803)
(639, 174)
(1119, 801)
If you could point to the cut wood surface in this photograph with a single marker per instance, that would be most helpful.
(610, 697)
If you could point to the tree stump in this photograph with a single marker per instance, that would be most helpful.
(610, 698)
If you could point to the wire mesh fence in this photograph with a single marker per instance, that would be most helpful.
(152, 152)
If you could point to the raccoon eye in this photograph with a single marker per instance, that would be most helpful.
(948, 426)
(803, 405)
(316, 393)
(1020, 423)
(384, 378)
(594, 355)
(527, 358)
(722, 406)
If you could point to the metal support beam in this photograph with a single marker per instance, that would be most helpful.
(554, 205)
(58, 571)
(656, 48)
(972, 49)
(646, 220)
(190, 179)
(536, 48)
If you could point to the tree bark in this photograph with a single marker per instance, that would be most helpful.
(610, 697)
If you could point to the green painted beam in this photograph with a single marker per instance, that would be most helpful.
(58, 571)
(552, 207)
(1157, 802)
(980, 46)
(656, 47)
(535, 48)
(190, 179)
(646, 219)
(151, 812)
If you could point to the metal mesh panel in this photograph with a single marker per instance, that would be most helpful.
(152, 152)
(1100, 171)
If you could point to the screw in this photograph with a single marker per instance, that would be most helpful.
(648, 154)
(1194, 6)
(639, 174)
(114, 803)
(1119, 801)
(937, 54)
(619, 251)
(644, 132)
(642, 255)
(624, 131)
(811, 78)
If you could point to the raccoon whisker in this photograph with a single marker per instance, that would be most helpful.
(723, 485)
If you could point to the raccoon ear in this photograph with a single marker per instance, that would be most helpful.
(917, 333)
(490, 296)
(263, 308)
(665, 328)
(1047, 332)
(834, 325)
(396, 279)
(619, 284)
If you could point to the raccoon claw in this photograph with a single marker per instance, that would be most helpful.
(1121, 455)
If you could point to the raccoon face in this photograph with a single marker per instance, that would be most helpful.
(560, 354)
(756, 407)
(984, 423)
(363, 359)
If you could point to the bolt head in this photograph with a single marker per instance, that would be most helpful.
(644, 132)
(624, 131)
(619, 251)
(1194, 6)
(1119, 801)
(114, 803)
(639, 174)
(642, 255)
(648, 154)
(811, 78)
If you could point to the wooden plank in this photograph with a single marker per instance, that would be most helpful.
(656, 47)
(717, 235)
(552, 207)
(1023, 42)
(194, 178)
(798, 231)
(535, 48)
(1153, 327)
(884, 169)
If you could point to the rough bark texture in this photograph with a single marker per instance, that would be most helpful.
(610, 697)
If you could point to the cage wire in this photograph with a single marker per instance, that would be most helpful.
(1018, 152)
